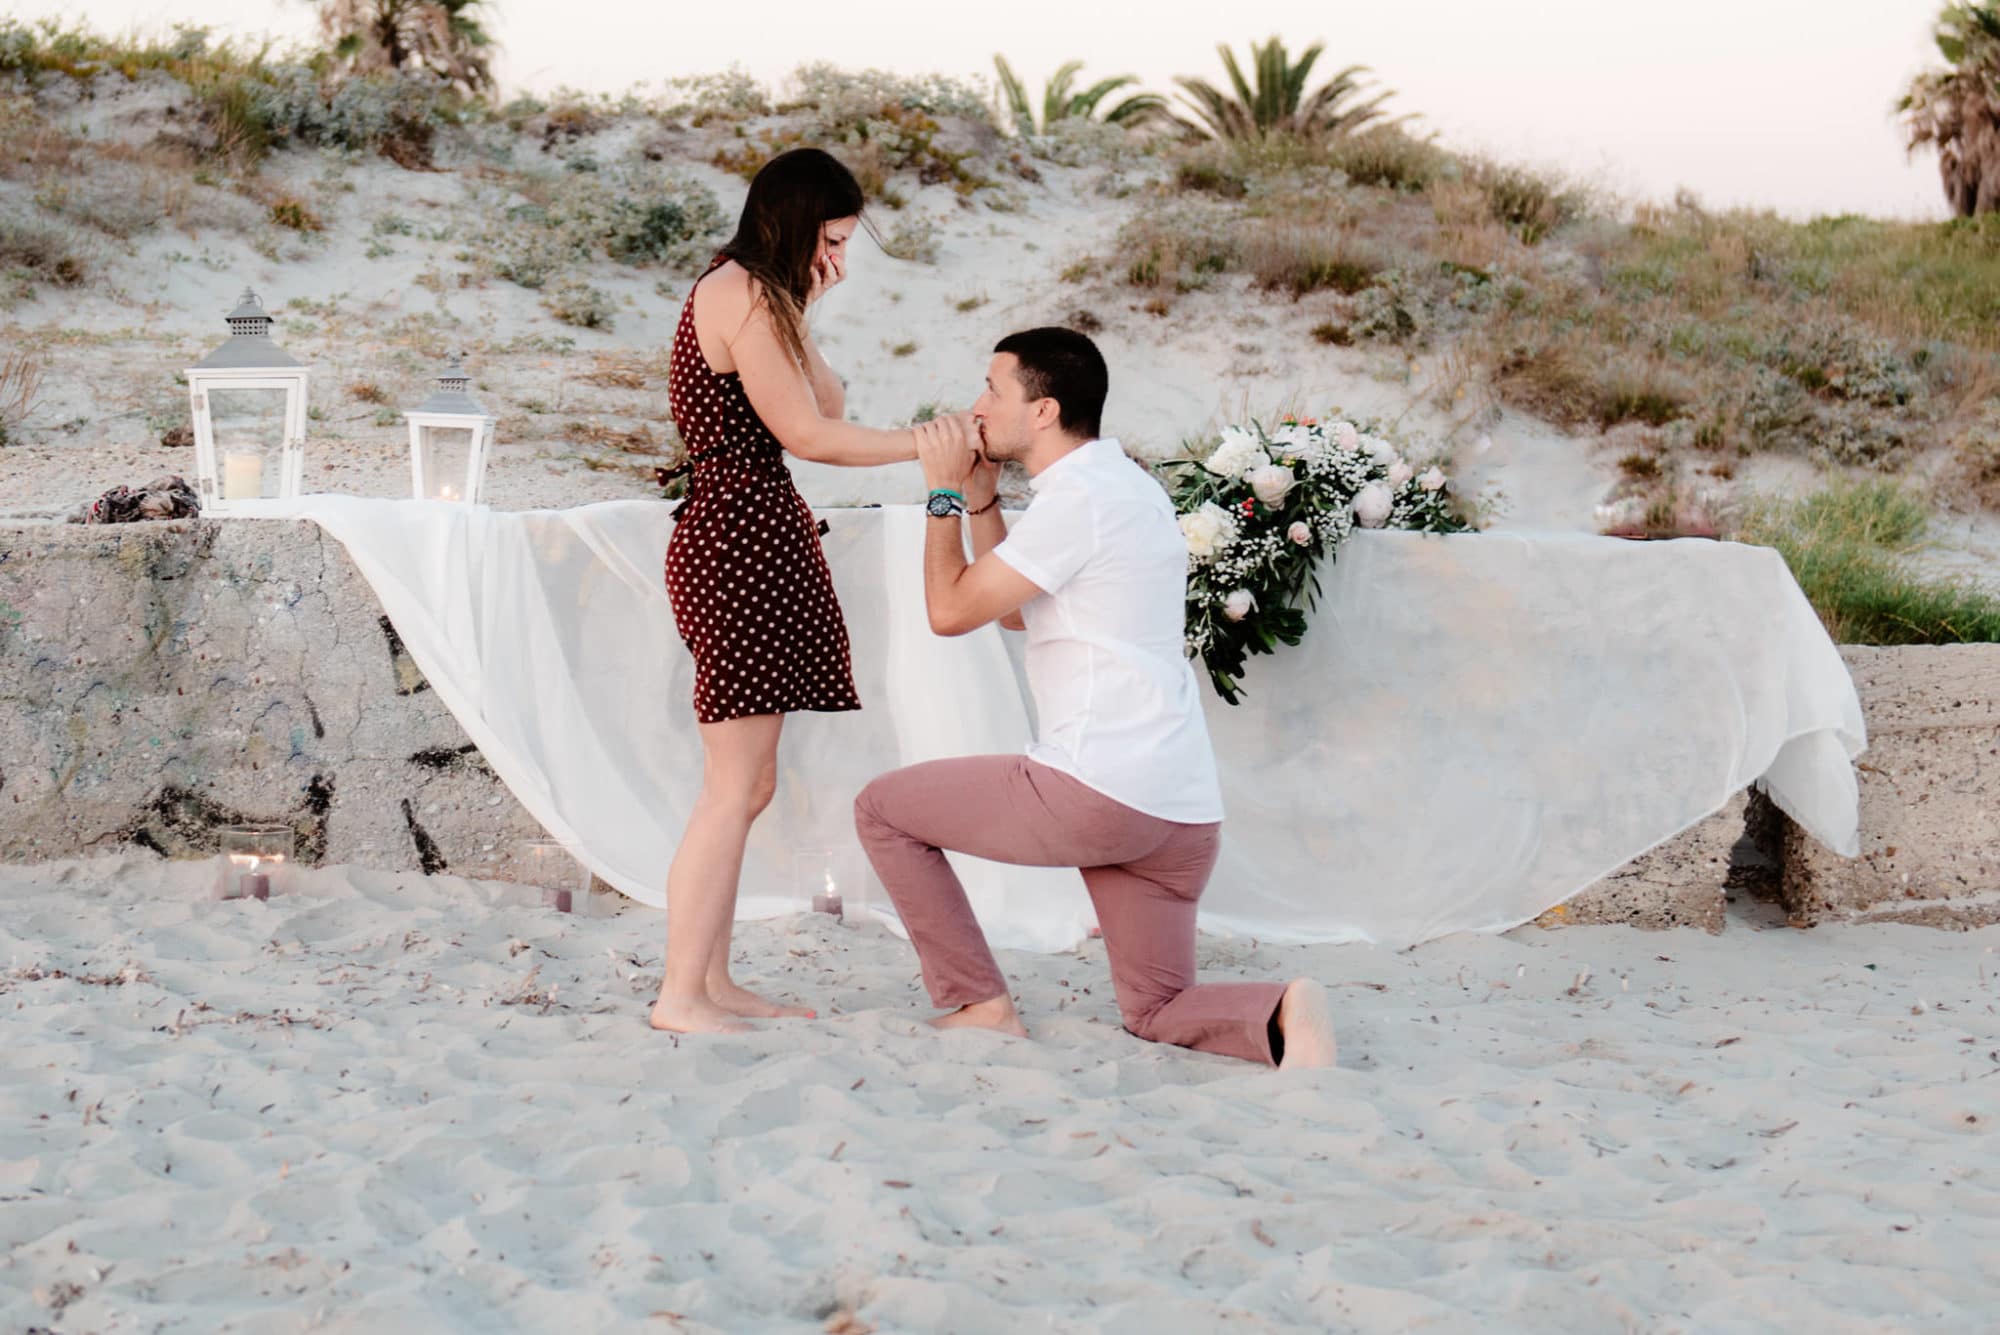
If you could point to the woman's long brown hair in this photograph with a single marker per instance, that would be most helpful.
(792, 198)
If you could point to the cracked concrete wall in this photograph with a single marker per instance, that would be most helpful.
(160, 680)
(1930, 796)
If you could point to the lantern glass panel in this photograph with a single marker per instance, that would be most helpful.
(249, 432)
(447, 459)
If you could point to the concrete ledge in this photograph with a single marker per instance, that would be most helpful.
(160, 680)
(1930, 796)
(1682, 883)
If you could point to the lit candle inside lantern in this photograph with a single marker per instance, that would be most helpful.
(250, 882)
(447, 493)
(828, 899)
(242, 477)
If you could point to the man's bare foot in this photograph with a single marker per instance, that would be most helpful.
(998, 1015)
(1306, 1021)
(742, 1001)
(695, 1015)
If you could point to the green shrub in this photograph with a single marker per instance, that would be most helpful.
(1850, 548)
(33, 251)
(914, 239)
(1388, 157)
(578, 303)
(1529, 203)
(632, 212)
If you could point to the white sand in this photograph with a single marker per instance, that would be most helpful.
(387, 1103)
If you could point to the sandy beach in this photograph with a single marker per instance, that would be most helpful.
(386, 1102)
(389, 1102)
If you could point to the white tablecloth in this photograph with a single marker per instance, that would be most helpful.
(1475, 728)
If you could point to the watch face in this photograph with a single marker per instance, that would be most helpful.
(941, 507)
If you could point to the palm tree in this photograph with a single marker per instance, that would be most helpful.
(1957, 110)
(1277, 103)
(1061, 102)
(442, 37)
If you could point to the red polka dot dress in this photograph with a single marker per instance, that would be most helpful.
(750, 588)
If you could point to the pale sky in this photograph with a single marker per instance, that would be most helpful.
(1772, 103)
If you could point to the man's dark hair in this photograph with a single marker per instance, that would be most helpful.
(1066, 366)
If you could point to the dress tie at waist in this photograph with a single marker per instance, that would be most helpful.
(665, 475)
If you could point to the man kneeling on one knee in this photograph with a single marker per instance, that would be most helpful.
(1121, 781)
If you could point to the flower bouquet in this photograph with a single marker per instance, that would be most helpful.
(1261, 512)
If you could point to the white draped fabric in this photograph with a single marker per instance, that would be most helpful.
(1475, 728)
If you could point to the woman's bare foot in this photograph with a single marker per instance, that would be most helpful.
(1306, 1021)
(695, 1015)
(742, 1001)
(998, 1015)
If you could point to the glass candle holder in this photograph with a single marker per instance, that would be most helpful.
(551, 866)
(255, 860)
(831, 880)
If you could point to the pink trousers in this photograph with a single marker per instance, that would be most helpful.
(1144, 875)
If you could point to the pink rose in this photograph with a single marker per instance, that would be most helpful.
(1400, 473)
(1432, 480)
(1239, 604)
(1300, 532)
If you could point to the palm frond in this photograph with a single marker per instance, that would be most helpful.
(1299, 75)
(1217, 116)
(1247, 98)
(1085, 102)
(1271, 98)
(1138, 109)
(1016, 95)
(1055, 93)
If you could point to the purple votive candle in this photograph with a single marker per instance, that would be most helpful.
(253, 885)
(559, 900)
(827, 902)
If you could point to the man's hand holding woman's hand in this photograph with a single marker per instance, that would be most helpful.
(948, 449)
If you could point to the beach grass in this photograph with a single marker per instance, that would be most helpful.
(1850, 548)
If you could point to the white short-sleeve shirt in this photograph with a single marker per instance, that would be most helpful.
(1117, 702)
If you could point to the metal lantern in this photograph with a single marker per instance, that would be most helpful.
(450, 435)
(248, 403)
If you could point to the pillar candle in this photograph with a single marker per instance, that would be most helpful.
(242, 477)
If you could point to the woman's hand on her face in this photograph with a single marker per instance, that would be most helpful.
(828, 273)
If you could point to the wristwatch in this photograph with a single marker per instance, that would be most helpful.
(944, 504)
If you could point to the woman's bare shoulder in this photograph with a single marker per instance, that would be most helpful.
(725, 289)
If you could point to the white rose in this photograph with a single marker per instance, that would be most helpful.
(1238, 453)
(1300, 532)
(1372, 505)
(1297, 440)
(1207, 530)
(1270, 482)
(1399, 473)
(1380, 450)
(1432, 480)
(1239, 604)
(1345, 436)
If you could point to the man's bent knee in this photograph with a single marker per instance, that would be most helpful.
(876, 799)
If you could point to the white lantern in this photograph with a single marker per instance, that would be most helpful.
(248, 403)
(450, 435)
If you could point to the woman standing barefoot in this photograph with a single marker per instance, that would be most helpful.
(751, 593)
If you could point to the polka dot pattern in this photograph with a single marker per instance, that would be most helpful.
(750, 588)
